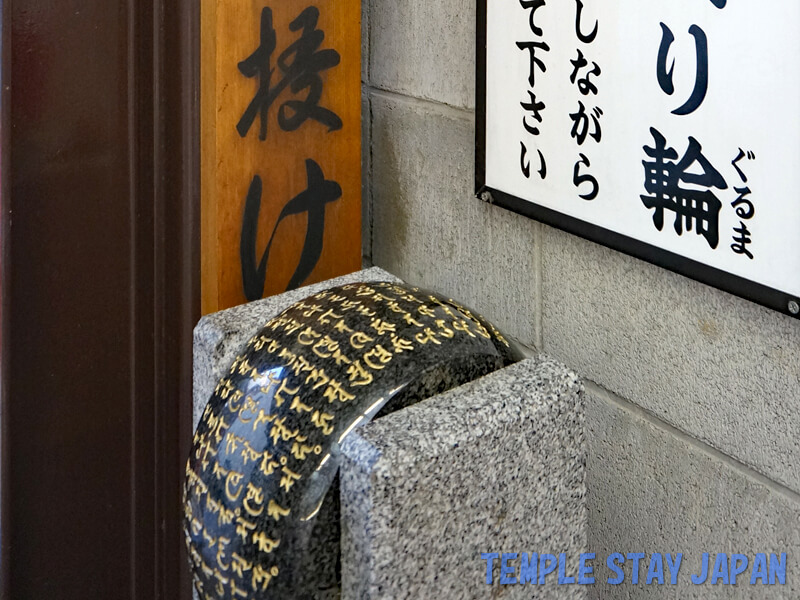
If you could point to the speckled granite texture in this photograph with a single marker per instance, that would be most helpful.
(219, 336)
(496, 465)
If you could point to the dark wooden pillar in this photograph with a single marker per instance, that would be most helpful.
(99, 294)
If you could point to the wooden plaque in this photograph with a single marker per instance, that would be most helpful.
(281, 146)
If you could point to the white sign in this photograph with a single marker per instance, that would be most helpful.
(673, 123)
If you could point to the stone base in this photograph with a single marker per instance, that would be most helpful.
(496, 465)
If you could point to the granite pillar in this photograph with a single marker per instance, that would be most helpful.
(496, 465)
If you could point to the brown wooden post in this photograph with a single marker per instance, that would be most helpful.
(100, 291)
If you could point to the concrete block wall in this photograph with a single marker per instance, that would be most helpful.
(694, 395)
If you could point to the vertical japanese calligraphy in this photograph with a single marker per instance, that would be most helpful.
(664, 75)
(585, 123)
(533, 107)
(745, 210)
(303, 73)
(310, 202)
(697, 206)
(280, 147)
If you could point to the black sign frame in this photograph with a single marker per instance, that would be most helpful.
(766, 296)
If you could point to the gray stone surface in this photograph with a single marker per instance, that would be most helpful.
(218, 337)
(716, 366)
(366, 197)
(365, 40)
(430, 230)
(496, 465)
(424, 49)
(652, 490)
